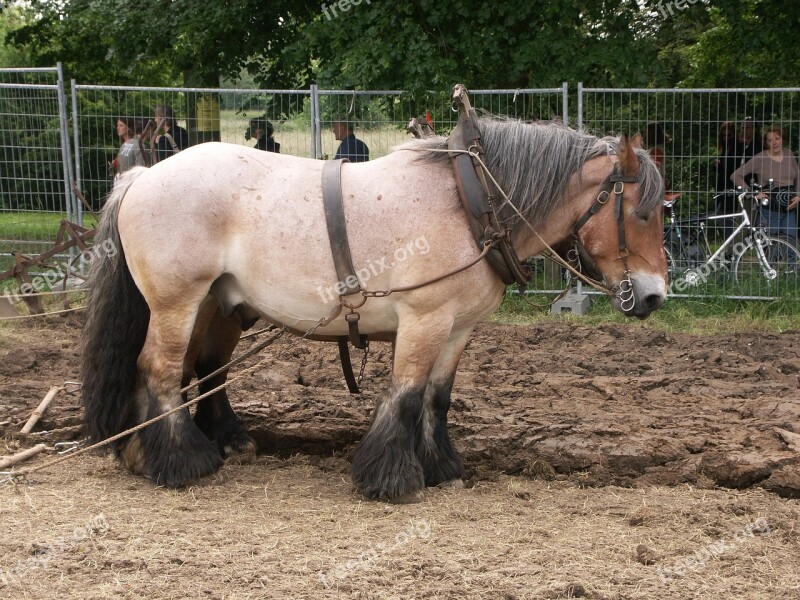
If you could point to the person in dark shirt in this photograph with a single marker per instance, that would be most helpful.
(351, 148)
(726, 162)
(262, 130)
(170, 137)
(749, 142)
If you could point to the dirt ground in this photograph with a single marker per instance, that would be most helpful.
(616, 461)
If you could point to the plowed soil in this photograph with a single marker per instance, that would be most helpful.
(616, 461)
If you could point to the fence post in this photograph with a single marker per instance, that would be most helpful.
(580, 106)
(316, 134)
(66, 154)
(565, 103)
(76, 130)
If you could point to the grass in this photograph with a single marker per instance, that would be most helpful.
(29, 232)
(296, 140)
(697, 316)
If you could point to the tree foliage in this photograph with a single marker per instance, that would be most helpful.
(417, 44)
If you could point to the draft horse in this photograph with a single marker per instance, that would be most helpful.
(220, 235)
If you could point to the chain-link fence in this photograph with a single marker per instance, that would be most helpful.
(701, 137)
(35, 162)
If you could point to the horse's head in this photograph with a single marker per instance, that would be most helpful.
(620, 235)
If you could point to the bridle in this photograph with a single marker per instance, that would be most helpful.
(615, 184)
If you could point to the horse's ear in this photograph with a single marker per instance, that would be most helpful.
(636, 141)
(626, 155)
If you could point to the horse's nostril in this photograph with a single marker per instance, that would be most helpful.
(653, 301)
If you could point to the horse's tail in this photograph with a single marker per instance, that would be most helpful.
(114, 331)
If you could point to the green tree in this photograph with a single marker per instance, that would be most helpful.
(158, 42)
(417, 44)
(748, 43)
(12, 18)
(429, 44)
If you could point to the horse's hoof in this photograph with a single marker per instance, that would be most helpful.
(453, 484)
(408, 498)
(131, 455)
(241, 446)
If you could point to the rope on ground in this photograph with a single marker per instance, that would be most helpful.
(50, 293)
(44, 314)
(259, 332)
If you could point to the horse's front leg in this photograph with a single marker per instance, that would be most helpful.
(385, 464)
(440, 461)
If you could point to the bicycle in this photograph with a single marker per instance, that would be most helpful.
(759, 259)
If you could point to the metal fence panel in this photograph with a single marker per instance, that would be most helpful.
(380, 116)
(692, 119)
(302, 121)
(35, 161)
(208, 114)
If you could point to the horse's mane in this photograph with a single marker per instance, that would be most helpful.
(534, 163)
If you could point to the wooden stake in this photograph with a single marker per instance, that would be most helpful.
(37, 414)
(20, 456)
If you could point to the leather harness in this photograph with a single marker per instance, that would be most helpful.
(347, 280)
(478, 196)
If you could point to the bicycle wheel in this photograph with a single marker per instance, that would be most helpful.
(766, 263)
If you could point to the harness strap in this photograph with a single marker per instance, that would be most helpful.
(614, 183)
(620, 216)
(347, 366)
(478, 196)
(342, 262)
(599, 203)
(337, 227)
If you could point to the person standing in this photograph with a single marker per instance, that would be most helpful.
(262, 130)
(779, 175)
(728, 159)
(654, 139)
(749, 141)
(131, 152)
(124, 128)
(725, 164)
(350, 147)
(170, 138)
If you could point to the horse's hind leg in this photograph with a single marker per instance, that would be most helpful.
(385, 464)
(173, 451)
(214, 415)
(440, 461)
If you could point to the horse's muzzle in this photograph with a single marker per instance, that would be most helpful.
(647, 294)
